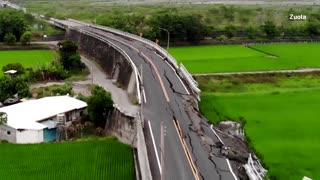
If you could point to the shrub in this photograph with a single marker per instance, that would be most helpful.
(14, 66)
(26, 38)
(222, 38)
(9, 39)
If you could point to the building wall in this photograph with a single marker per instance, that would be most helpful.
(7, 133)
(29, 136)
(49, 134)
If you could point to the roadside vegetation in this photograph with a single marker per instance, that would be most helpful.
(280, 113)
(103, 158)
(234, 58)
(17, 27)
(190, 23)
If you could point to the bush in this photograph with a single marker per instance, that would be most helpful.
(270, 29)
(53, 90)
(26, 38)
(14, 66)
(9, 39)
(230, 31)
(222, 38)
(48, 72)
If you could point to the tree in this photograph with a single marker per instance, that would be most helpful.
(10, 39)
(270, 29)
(222, 38)
(195, 28)
(14, 66)
(230, 31)
(70, 59)
(228, 12)
(12, 21)
(181, 27)
(313, 28)
(99, 104)
(26, 38)
(11, 86)
(252, 32)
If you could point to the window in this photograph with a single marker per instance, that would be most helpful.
(8, 132)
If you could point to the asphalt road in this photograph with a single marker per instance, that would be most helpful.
(165, 102)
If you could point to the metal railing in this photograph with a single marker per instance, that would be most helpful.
(254, 169)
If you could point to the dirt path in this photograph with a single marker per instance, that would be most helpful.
(260, 72)
(119, 96)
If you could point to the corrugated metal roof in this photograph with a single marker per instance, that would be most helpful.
(25, 115)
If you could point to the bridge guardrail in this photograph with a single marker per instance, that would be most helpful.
(252, 171)
(187, 76)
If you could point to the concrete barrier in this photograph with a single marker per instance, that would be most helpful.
(142, 152)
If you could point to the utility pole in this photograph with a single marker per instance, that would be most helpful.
(163, 134)
(168, 41)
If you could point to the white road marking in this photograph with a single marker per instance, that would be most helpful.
(229, 165)
(154, 146)
(228, 162)
(216, 134)
(144, 96)
(175, 72)
(183, 85)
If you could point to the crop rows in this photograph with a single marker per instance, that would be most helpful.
(101, 159)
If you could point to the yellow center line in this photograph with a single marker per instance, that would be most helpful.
(186, 150)
(153, 65)
(159, 77)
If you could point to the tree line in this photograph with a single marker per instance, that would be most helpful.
(13, 27)
(193, 27)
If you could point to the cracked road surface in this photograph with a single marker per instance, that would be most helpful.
(189, 149)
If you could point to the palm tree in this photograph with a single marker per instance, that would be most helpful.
(3, 118)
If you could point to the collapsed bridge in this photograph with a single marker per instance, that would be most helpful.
(167, 94)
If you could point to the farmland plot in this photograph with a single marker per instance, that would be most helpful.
(235, 58)
(94, 159)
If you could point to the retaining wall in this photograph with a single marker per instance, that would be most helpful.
(113, 63)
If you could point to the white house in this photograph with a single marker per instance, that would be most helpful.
(35, 121)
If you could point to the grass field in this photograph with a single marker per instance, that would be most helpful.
(233, 58)
(98, 159)
(28, 58)
(281, 119)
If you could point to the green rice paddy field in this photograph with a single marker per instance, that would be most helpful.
(28, 58)
(234, 58)
(94, 159)
(282, 119)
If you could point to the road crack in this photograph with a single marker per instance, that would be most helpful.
(171, 85)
